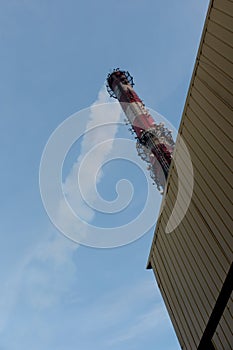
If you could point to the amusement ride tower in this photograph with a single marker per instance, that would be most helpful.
(155, 144)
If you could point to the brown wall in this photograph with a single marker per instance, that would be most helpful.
(192, 262)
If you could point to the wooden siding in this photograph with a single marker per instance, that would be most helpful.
(192, 262)
(223, 337)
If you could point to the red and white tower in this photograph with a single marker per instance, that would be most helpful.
(155, 144)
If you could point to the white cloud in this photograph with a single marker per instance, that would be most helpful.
(46, 273)
(101, 126)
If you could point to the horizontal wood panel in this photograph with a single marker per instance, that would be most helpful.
(220, 228)
(219, 46)
(198, 232)
(218, 60)
(194, 245)
(204, 136)
(222, 19)
(224, 193)
(224, 6)
(211, 113)
(179, 280)
(217, 81)
(216, 127)
(169, 301)
(214, 99)
(209, 158)
(221, 33)
(170, 308)
(175, 282)
(172, 289)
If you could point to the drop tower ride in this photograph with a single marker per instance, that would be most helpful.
(155, 144)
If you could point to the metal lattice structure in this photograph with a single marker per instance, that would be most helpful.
(155, 144)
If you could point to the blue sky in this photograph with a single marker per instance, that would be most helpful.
(55, 55)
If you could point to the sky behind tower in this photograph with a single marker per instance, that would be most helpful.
(55, 56)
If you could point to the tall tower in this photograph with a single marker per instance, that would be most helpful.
(154, 142)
